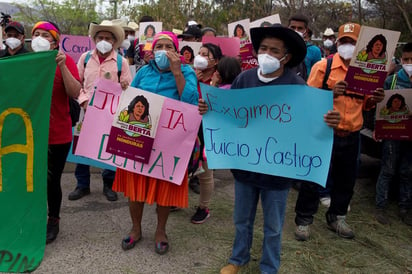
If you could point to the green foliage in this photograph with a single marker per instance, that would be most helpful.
(124, 116)
(362, 56)
(72, 16)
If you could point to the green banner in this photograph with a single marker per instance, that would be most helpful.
(26, 83)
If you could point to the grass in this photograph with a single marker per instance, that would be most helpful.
(375, 249)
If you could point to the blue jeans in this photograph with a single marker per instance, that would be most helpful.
(82, 174)
(274, 206)
(396, 158)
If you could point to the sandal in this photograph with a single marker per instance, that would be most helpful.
(129, 242)
(161, 248)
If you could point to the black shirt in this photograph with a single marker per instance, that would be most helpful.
(5, 52)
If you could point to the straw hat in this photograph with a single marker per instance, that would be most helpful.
(108, 26)
(133, 26)
(328, 32)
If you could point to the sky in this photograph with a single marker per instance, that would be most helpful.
(12, 1)
(103, 7)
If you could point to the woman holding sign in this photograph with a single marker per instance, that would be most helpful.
(166, 76)
(46, 36)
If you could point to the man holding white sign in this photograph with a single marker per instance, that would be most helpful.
(278, 50)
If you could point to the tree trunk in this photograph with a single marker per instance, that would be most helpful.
(405, 15)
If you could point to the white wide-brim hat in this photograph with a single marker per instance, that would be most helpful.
(133, 26)
(108, 26)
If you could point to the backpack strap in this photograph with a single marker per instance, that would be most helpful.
(326, 77)
(87, 58)
(327, 73)
(119, 66)
(394, 80)
(119, 63)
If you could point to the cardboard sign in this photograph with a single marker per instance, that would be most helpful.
(135, 125)
(393, 115)
(370, 64)
(178, 126)
(271, 130)
(75, 45)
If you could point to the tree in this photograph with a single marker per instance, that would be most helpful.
(72, 16)
(393, 14)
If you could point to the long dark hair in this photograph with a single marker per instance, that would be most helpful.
(378, 37)
(393, 97)
(189, 49)
(150, 27)
(228, 68)
(241, 27)
(214, 50)
(141, 99)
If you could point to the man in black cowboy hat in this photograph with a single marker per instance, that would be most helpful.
(278, 49)
(191, 33)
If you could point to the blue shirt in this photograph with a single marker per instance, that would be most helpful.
(402, 80)
(313, 55)
(149, 78)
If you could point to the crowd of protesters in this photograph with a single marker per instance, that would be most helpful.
(285, 55)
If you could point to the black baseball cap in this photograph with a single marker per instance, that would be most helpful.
(15, 25)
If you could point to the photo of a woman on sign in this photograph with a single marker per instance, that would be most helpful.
(149, 33)
(375, 51)
(137, 113)
(188, 54)
(394, 109)
(241, 33)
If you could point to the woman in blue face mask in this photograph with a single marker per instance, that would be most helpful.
(164, 75)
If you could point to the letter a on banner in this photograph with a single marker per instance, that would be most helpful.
(26, 83)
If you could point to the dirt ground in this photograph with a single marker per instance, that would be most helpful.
(376, 248)
(91, 230)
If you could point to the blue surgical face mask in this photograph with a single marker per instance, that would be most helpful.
(161, 60)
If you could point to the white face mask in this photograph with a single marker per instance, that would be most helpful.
(328, 43)
(40, 44)
(301, 34)
(269, 64)
(104, 47)
(125, 44)
(346, 51)
(264, 79)
(408, 69)
(200, 62)
(131, 37)
(13, 42)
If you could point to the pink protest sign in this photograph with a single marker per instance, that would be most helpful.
(75, 45)
(177, 129)
(230, 46)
